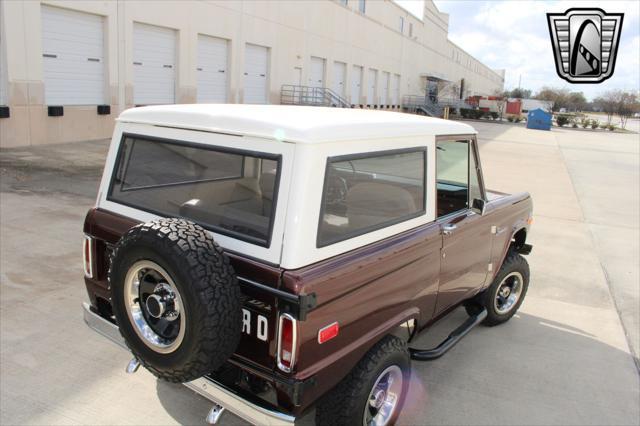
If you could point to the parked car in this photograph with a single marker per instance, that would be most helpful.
(279, 258)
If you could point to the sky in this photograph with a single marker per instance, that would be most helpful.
(514, 35)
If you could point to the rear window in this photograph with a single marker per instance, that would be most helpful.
(227, 191)
(366, 192)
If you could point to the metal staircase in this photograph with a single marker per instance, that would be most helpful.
(421, 105)
(315, 96)
(425, 105)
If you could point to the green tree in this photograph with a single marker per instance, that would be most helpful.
(558, 98)
(519, 93)
(607, 102)
(627, 106)
(576, 101)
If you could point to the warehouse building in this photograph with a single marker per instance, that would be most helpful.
(67, 68)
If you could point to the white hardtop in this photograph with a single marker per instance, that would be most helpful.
(298, 124)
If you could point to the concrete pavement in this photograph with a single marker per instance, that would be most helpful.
(564, 359)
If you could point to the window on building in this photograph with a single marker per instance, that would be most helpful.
(232, 193)
(361, 6)
(401, 25)
(410, 29)
(367, 192)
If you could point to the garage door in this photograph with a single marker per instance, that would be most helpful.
(356, 84)
(384, 90)
(212, 69)
(372, 80)
(316, 76)
(3, 72)
(339, 76)
(395, 89)
(154, 65)
(256, 62)
(72, 57)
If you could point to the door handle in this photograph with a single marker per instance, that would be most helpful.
(448, 228)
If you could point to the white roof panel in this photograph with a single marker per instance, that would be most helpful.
(299, 124)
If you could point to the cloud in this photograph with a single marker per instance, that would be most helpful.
(514, 35)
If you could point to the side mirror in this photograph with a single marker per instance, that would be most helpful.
(478, 206)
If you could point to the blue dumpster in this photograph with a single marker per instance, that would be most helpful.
(539, 119)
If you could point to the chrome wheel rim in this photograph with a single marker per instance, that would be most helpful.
(508, 293)
(154, 306)
(384, 397)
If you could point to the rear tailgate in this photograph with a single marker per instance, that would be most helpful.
(259, 312)
(258, 342)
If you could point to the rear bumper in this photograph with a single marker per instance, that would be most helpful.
(213, 391)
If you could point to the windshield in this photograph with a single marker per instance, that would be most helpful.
(228, 191)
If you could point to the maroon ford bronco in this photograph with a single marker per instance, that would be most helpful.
(276, 259)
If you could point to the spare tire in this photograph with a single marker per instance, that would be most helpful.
(175, 298)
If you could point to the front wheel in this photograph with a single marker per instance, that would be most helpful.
(373, 392)
(505, 294)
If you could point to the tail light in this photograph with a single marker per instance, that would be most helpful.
(287, 341)
(87, 256)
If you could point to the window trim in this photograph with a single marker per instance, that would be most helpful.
(196, 145)
(372, 228)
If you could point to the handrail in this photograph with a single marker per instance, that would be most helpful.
(308, 95)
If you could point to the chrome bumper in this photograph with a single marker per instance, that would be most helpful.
(213, 391)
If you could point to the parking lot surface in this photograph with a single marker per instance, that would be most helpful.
(568, 357)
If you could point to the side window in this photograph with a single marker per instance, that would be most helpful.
(457, 176)
(474, 184)
(452, 175)
(363, 193)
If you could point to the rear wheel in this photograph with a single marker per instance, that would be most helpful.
(505, 294)
(373, 393)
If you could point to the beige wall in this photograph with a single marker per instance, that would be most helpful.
(293, 30)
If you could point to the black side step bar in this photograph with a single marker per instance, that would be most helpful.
(450, 341)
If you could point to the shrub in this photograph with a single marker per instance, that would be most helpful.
(603, 125)
(611, 127)
(494, 115)
(585, 122)
(575, 125)
(518, 119)
(562, 120)
(477, 114)
(464, 112)
(594, 124)
(510, 119)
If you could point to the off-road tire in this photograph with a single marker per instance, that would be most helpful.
(485, 300)
(208, 287)
(344, 405)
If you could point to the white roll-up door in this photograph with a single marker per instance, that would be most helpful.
(356, 84)
(316, 76)
(154, 65)
(72, 57)
(339, 77)
(256, 63)
(212, 69)
(3, 72)
(395, 89)
(384, 95)
(372, 81)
